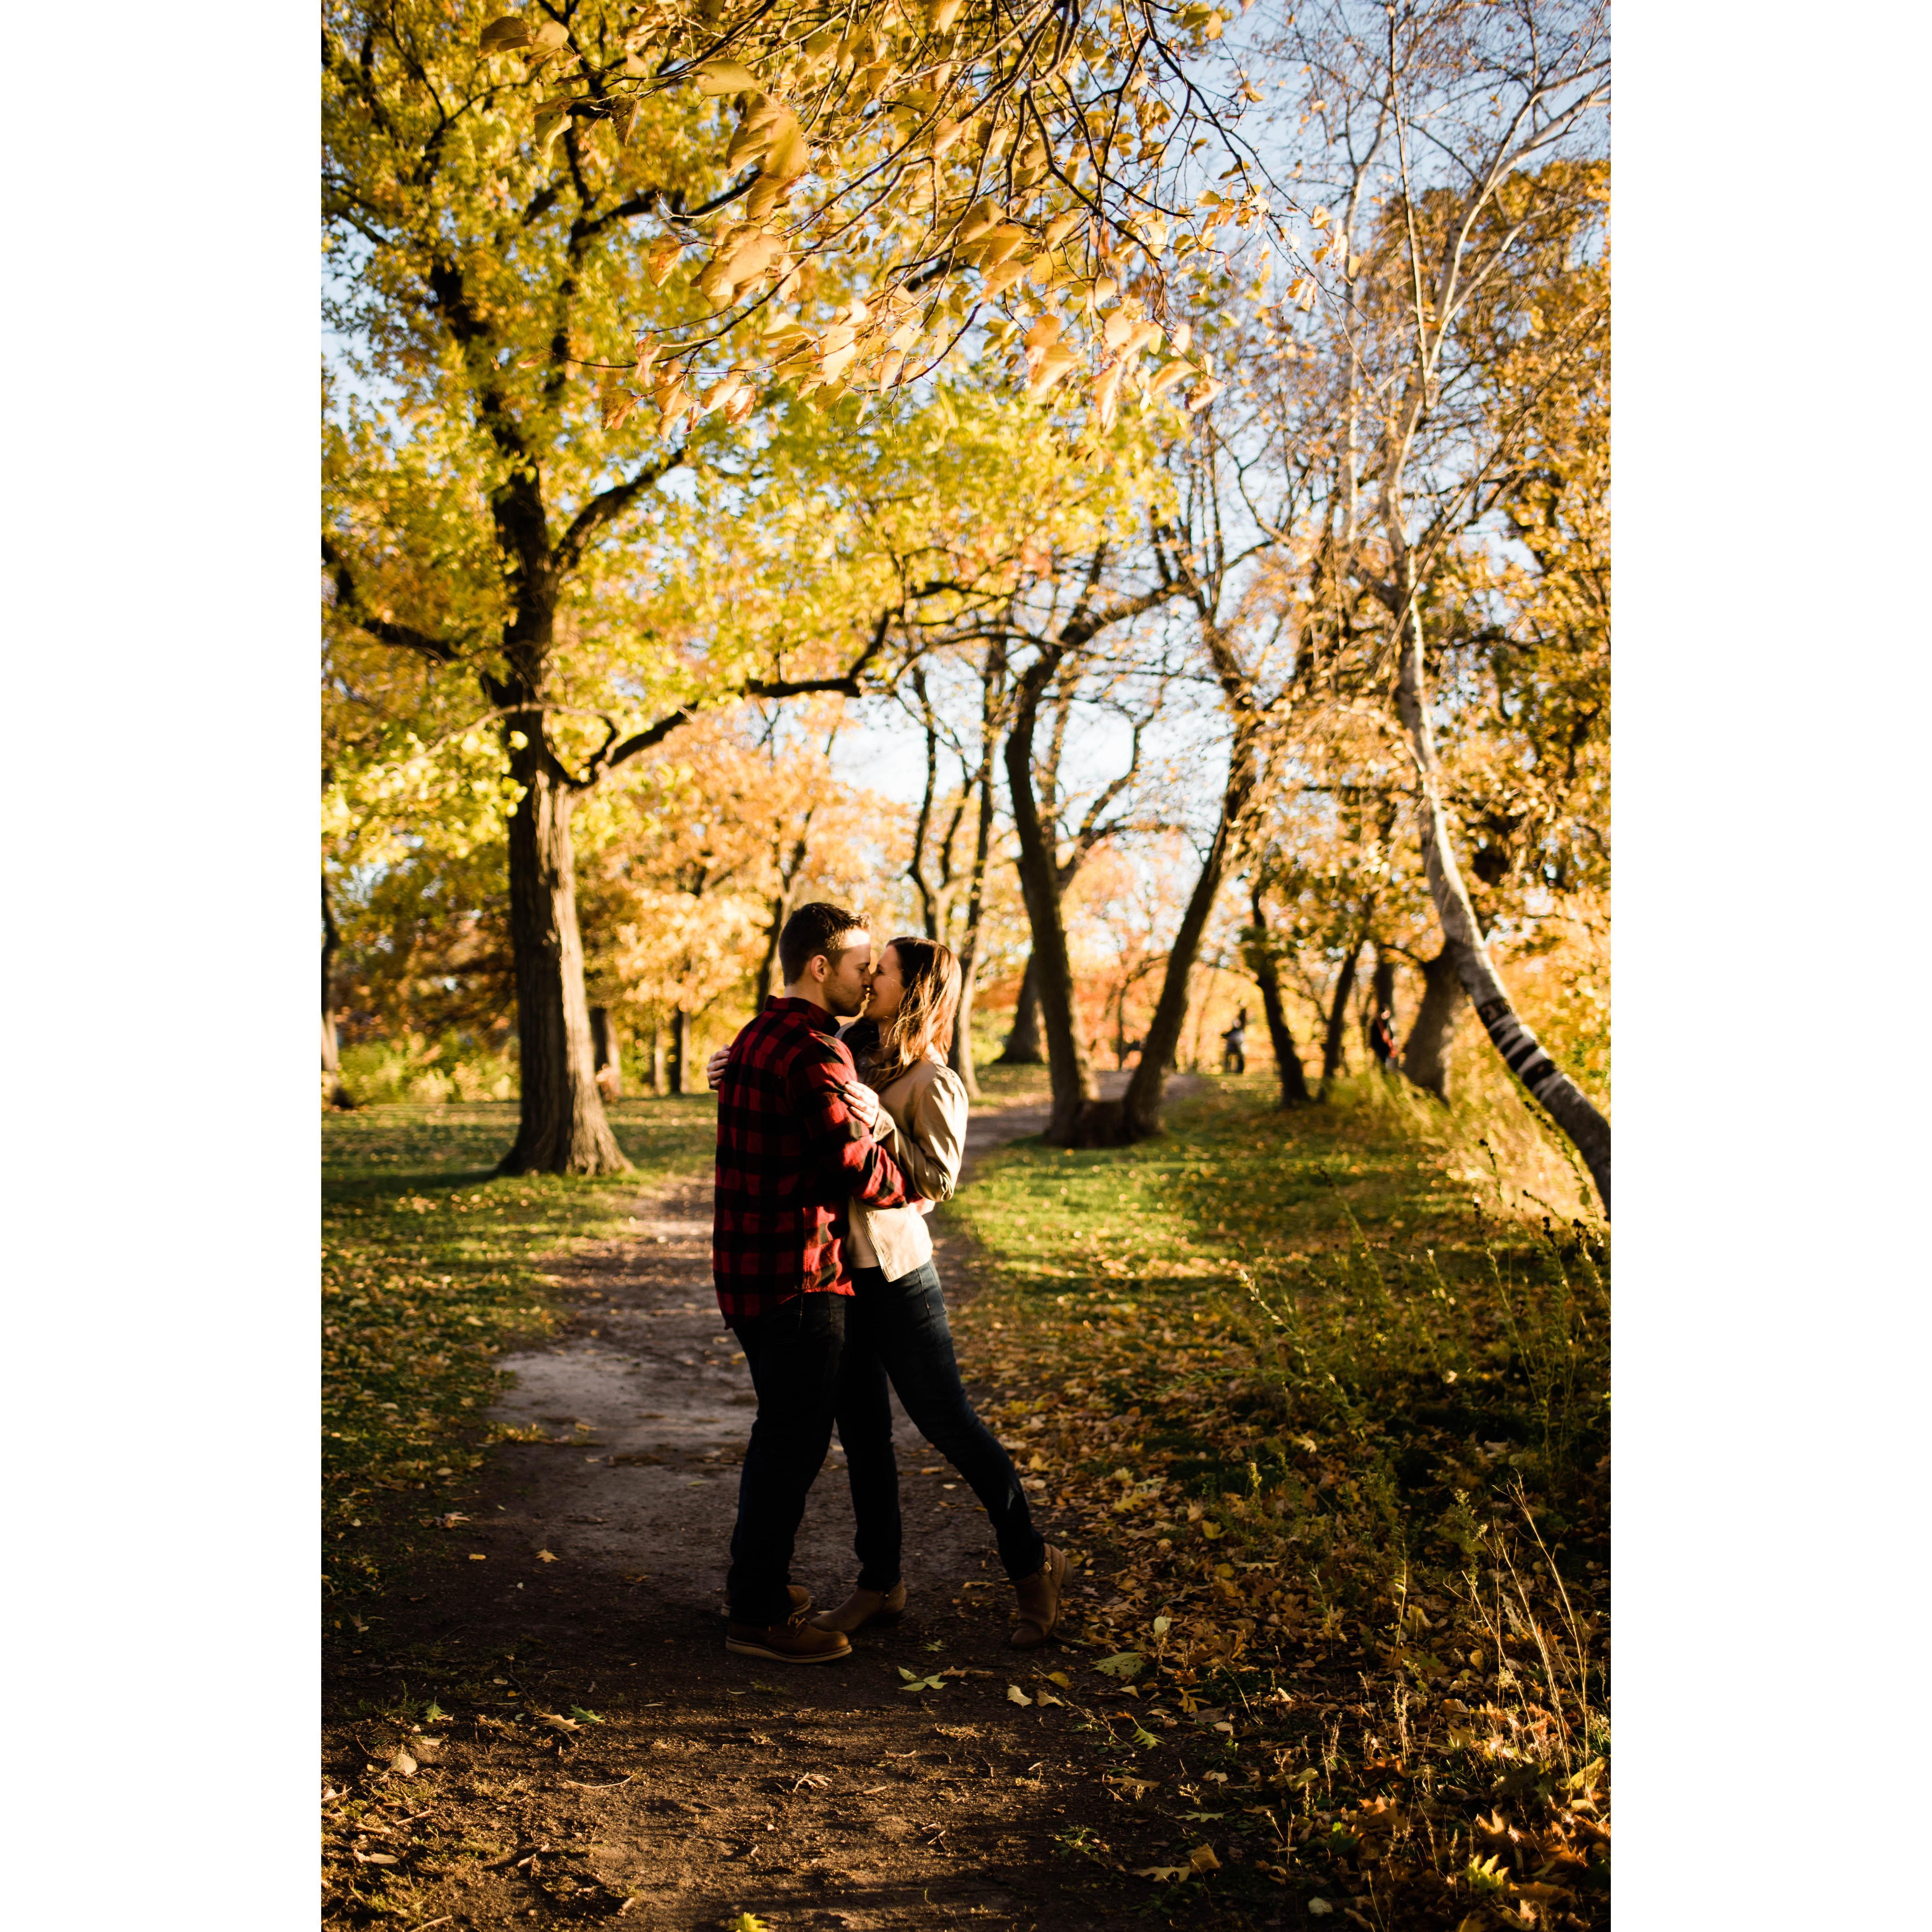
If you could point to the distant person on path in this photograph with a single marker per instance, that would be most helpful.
(896, 1330)
(1234, 1044)
(1382, 1039)
(794, 1145)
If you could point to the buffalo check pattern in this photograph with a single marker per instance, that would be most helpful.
(791, 1153)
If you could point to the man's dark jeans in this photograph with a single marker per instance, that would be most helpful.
(793, 1352)
(898, 1329)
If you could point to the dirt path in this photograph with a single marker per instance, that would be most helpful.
(713, 1784)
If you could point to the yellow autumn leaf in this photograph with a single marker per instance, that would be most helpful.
(789, 156)
(501, 35)
(977, 221)
(1202, 1859)
(724, 77)
(1054, 365)
(662, 258)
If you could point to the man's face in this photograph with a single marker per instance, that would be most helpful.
(848, 977)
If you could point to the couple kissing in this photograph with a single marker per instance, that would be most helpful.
(834, 1143)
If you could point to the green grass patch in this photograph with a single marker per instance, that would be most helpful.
(1329, 1389)
(431, 1270)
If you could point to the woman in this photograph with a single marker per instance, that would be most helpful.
(896, 1324)
(896, 1328)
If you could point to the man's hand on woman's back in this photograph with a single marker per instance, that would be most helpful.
(714, 1068)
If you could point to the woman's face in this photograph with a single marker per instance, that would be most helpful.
(888, 986)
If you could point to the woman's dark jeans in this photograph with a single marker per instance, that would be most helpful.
(897, 1330)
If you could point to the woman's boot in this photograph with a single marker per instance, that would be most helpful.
(1038, 1611)
(865, 1609)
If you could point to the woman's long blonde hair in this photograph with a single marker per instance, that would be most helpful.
(924, 1020)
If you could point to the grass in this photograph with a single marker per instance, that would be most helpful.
(1328, 1393)
(431, 1273)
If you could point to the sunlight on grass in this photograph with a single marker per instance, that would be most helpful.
(430, 1274)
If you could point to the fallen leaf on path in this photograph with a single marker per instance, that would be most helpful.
(1015, 1695)
(1124, 1663)
(545, 1556)
(1163, 1874)
(1202, 1859)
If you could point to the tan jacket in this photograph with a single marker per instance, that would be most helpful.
(923, 1128)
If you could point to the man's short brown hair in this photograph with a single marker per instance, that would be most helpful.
(813, 929)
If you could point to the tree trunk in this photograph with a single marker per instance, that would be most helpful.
(1260, 964)
(768, 966)
(1552, 1089)
(1138, 1110)
(660, 1084)
(680, 1051)
(1332, 1059)
(1425, 1054)
(1074, 1088)
(1023, 1043)
(561, 1129)
(960, 1057)
(1140, 1107)
(605, 1051)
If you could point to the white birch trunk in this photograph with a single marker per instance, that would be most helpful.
(1549, 1086)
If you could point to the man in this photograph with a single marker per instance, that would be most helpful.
(792, 1147)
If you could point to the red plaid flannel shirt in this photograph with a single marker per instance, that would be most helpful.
(790, 1155)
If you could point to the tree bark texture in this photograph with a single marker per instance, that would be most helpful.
(562, 1129)
(1425, 1054)
(660, 1082)
(1549, 1086)
(1268, 982)
(1069, 1072)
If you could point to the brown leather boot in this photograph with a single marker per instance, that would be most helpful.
(793, 1641)
(865, 1609)
(1039, 1611)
